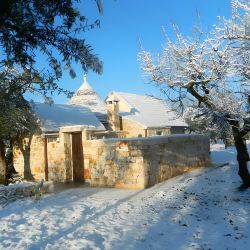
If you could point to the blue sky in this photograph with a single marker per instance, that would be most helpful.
(123, 24)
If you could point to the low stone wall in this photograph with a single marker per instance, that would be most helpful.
(122, 163)
(142, 162)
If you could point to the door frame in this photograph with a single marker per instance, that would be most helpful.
(77, 157)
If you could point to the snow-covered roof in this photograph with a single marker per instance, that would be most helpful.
(85, 96)
(60, 115)
(149, 111)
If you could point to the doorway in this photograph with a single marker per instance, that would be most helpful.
(77, 157)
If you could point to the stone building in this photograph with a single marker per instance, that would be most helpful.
(130, 115)
(55, 153)
(75, 143)
(141, 115)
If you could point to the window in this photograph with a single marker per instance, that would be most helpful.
(159, 132)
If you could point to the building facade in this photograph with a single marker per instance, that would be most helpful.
(101, 143)
(142, 116)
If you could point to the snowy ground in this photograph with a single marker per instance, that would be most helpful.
(200, 210)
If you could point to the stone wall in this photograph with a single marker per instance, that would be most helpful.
(142, 162)
(135, 129)
(120, 162)
(56, 159)
(29, 158)
(132, 128)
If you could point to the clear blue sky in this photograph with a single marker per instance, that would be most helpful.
(123, 23)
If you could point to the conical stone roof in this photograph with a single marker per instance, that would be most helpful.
(87, 97)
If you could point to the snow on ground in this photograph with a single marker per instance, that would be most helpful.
(199, 210)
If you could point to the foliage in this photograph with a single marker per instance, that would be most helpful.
(16, 116)
(36, 193)
(49, 28)
(17, 119)
(203, 123)
(198, 123)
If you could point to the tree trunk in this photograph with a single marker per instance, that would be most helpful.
(10, 169)
(242, 152)
(242, 158)
(2, 164)
(25, 149)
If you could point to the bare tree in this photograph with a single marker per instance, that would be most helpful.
(209, 70)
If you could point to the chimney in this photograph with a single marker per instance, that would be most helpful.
(113, 113)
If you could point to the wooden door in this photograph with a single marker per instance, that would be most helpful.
(77, 157)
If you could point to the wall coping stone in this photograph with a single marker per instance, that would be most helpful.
(152, 139)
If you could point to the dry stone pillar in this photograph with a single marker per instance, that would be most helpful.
(113, 113)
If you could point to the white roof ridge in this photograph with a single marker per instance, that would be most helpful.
(127, 93)
(135, 94)
(85, 85)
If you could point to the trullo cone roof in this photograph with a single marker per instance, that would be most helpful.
(87, 97)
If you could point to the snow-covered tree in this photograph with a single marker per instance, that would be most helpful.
(209, 70)
(200, 122)
(17, 119)
(236, 31)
